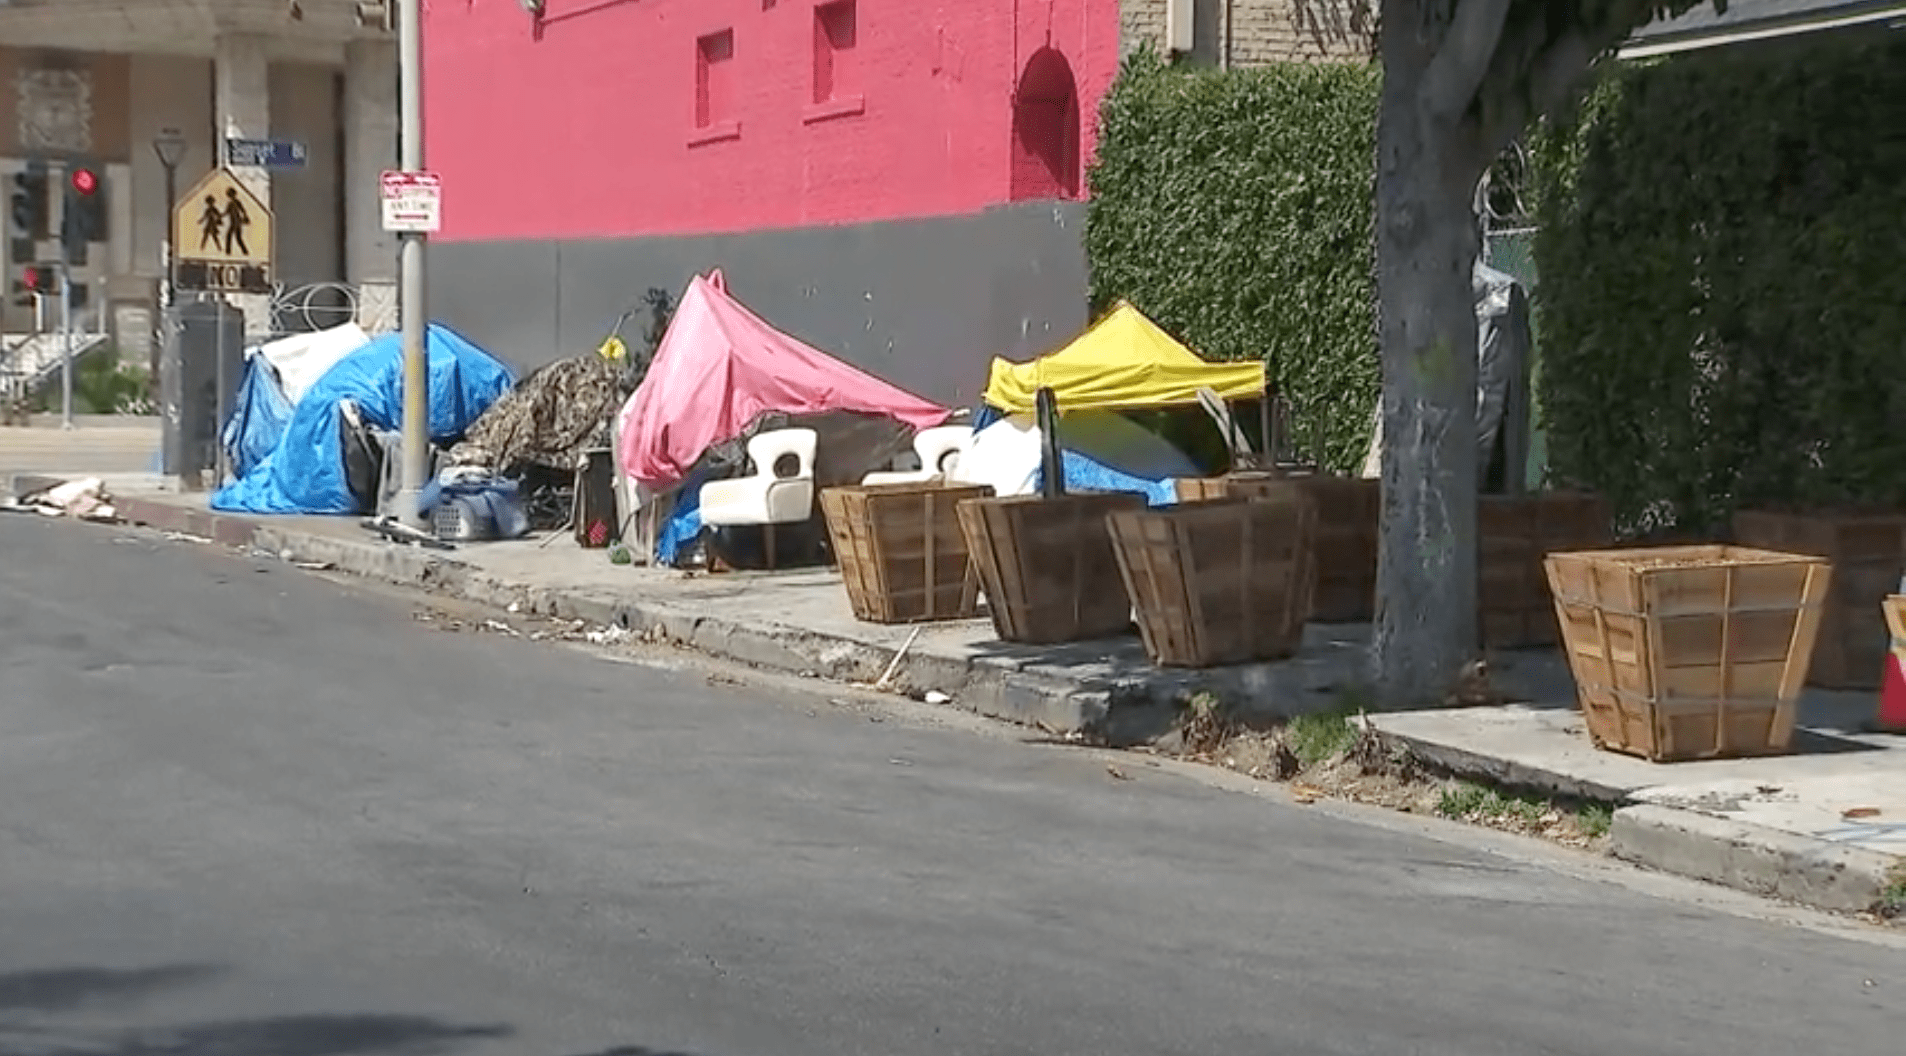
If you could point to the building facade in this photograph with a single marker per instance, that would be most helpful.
(899, 181)
(98, 82)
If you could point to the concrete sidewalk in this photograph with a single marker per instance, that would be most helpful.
(800, 621)
(1777, 826)
(97, 445)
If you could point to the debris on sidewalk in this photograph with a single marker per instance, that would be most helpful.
(85, 499)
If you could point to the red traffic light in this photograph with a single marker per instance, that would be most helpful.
(30, 279)
(85, 181)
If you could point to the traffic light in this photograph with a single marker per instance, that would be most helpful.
(83, 219)
(26, 213)
(36, 279)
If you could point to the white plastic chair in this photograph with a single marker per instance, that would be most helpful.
(939, 449)
(766, 497)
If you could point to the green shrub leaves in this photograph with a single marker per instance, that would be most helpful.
(1722, 244)
(1235, 208)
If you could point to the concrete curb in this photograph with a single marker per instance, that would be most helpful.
(1507, 773)
(1752, 858)
(1746, 857)
(998, 690)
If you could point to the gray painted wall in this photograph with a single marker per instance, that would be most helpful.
(925, 304)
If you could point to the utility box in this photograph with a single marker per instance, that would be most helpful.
(199, 371)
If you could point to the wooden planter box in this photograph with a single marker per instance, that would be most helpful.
(901, 552)
(1218, 582)
(1689, 652)
(1515, 532)
(1047, 565)
(1867, 552)
(1343, 539)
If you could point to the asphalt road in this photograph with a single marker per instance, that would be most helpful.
(250, 812)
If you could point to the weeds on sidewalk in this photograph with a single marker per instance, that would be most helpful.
(1477, 804)
(1892, 900)
(1335, 753)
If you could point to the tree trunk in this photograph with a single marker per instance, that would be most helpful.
(1427, 168)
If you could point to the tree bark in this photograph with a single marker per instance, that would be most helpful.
(1427, 168)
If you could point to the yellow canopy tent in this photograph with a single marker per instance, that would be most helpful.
(1123, 362)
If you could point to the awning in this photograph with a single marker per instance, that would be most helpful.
(1123, 362)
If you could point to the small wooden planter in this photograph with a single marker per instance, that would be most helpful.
(901, 552)
(1867, 551)
(1689, 652)
(1514, 607)
(1344, 536)
(1217, 582)
(1048, 566)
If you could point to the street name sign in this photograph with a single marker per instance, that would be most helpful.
(265, 153)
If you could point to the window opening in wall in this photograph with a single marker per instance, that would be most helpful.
(1046, 129)
(714, 73)
(836, 76)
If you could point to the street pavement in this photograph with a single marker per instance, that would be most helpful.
(254, 812)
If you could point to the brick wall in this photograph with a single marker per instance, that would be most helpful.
(1261, 31)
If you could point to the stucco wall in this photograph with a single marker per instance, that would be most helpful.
(308, 201)
(923, 303)
(167, 92)
(585, 125)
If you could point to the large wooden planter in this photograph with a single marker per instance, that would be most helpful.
(1047, 565)
(1343, 539)
(1515, 532)
(901, 552)
(1867, 551)
(1218, 582)
(1689, 652)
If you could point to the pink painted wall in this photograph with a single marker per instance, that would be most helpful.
(586, 127)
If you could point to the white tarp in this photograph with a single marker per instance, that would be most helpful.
(1006, 454)
(302, 359)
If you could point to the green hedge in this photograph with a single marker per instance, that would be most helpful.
(1722, 247)
(1235, 208)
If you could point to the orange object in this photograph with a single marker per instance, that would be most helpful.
(1892, 716)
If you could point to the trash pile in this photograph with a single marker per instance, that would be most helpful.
(84, 499)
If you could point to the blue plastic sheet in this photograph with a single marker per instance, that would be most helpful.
(259, 417)
(305, 473)
(1086, 474)
(684, 521)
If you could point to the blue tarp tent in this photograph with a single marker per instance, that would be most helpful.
(305, 474)
(259, 417)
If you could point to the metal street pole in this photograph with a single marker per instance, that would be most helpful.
(411, 269)
(66, 344)
(165, 244)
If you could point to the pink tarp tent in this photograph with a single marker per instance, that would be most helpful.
(719, 368)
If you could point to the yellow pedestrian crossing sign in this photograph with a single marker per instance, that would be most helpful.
(221, 237)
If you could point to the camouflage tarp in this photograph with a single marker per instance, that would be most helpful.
(549, 419)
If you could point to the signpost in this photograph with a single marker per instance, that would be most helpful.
(222, 237)
(413, 201)
(265, 153)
